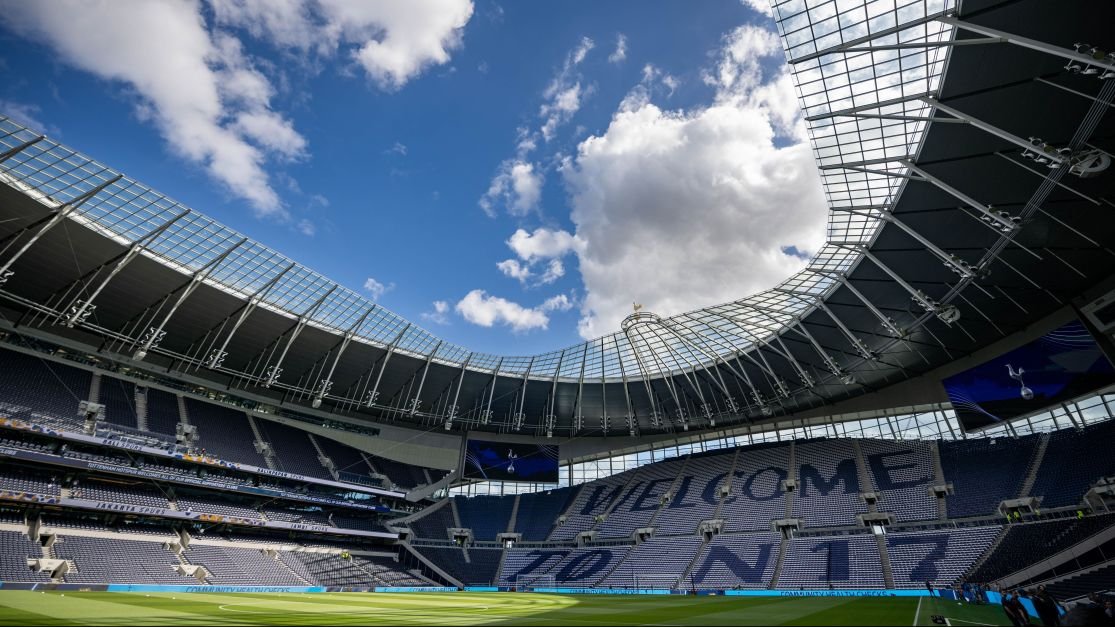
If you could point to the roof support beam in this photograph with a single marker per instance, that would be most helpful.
(866, 38)
(156, 333)
(486, 413)
(373, 396)
(520, 415)
(216, 357)
(632, 423)
(416, 402)
(947, 313)
(1024, 144)
(958, 266)
(60, 214)
(889, 324)
(860, 346)
(15, 150)
(551, 417)
(327, 382)
(1032, 44)
(274, 371)
(453, 409)
(643, 371)
(78, 309)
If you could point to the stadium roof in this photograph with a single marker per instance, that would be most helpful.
(961, 153)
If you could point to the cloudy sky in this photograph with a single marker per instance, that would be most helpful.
(510, 175)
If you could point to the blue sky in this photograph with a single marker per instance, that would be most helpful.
(402, 148)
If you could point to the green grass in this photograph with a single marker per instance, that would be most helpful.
(116, 608)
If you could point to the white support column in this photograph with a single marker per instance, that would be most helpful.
(216, 357)
(327, 383)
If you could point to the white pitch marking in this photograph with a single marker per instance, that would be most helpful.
(961, 620)
(918, 613)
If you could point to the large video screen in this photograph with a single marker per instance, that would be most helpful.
(504, 461)
(1061, 365)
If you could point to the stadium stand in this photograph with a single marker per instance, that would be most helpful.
(592, 500)
(224, 433)
(540, 510)
(434, 522)
(475, 567)
(239, 566)
(1028, 543)
(294, 452)
(756, 496)
(940, 557)
(134, 494)
(829, 487)
(1074, 460)
(15, 548)
(984, 472)
(162, 411)
(19, 480)
(658, 561)
(487, 516)
(118, 397)
(33, 385)
(1101, 578)
(693, 500)
(736, 561)
(901, 472)
(102, 560)
(839, 562)
(400, 474)
(640, 499)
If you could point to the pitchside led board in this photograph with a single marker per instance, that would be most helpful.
(504, 461)
(1063, 364)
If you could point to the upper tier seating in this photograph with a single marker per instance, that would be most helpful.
(17, 480)
(224, 433)
(30, 384)
(345, 458)
(162, 411)
(901, 473)
(434, 523)
(829, 489)
(134, 494)
(756, 496)
(1073, 461)
(592, 500)
(693, 500)
(402, 475)
(539, 511)
(984, 472)
(119, 399)
(487, 516)
(294, 452)
(640, 499)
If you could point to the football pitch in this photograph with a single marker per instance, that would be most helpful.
(116, 608)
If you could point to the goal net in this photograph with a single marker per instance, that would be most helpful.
(655, 582)
(538, 581)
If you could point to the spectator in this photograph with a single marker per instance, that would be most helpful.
(1013, 608)
(1047, 607)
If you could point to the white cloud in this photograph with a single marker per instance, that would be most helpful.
(543, 243)
(514, 269)
(199, 89)
(560, 302)
(565, 94)
(306, 228)
(479, 308)
(554, 271)
(620, 53)
(398, 148)
(517, 186)
(440, 314)
(682, 209)
(762, 6)
(392, 40)
(25, 114)
(376, 289)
